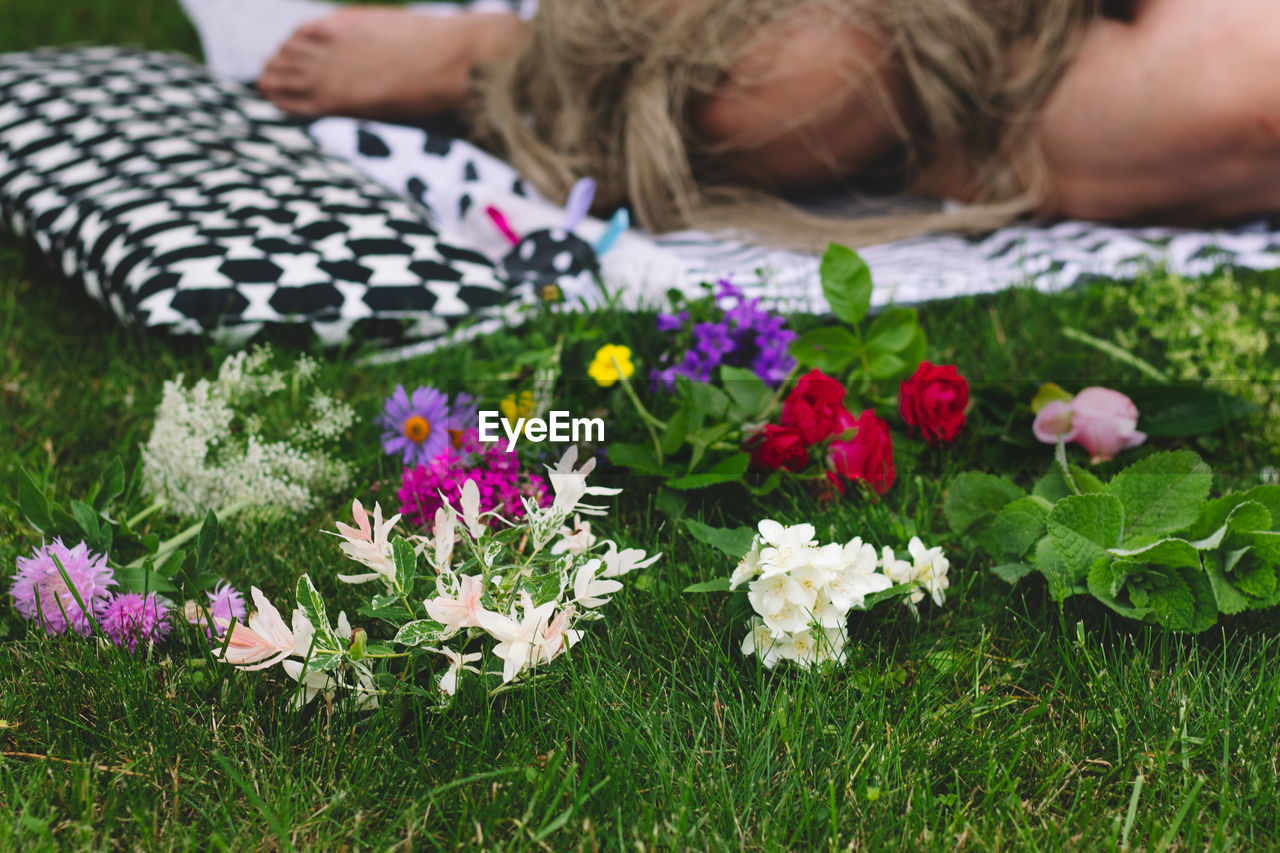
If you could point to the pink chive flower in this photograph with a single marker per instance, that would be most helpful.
(496, 473)
(39, 591)
(130, 619)
(225, 603)
(1103, 421)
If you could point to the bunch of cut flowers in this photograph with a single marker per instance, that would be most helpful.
(800, 592)
(484, 597)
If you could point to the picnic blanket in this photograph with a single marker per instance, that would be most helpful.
(457, 181)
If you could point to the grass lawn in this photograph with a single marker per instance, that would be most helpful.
(999, 721)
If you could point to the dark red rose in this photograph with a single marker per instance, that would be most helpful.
(933, 401)
(815, 407)
(868, 455)
(779, 447)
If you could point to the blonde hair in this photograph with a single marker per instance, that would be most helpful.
(603, 88)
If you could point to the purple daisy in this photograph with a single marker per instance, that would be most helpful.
(131, 618)
(416, 428)
(39, 592)
(463, 416)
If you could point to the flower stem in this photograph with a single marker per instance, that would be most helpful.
(650, 422)
(160, 504)
(170, 545)
(1122, 355)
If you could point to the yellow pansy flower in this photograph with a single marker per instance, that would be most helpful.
(612, 362)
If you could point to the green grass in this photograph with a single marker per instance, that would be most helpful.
(996, 722)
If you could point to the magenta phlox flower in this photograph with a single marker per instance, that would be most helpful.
(39, 591)
(496, 472)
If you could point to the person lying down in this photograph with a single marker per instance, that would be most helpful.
(705, 113)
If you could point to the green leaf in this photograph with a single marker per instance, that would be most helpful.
(747, 391)
(846, 282)
(1166, 552)
(915, 351)
(324, 661)
(1048, 393)
(1161, 494)
(831, 349)
(205, 541)
(1046, 561)
(1016, 528)
(1229, 599)
(1172, 602)
(1085, 481)
(1184, 409)
(885, 365)
(420, 632)
(87, 519)
(1011, 573)
(33, 503)
(1206, 609)
(111, 486)
(672, 438)
(1258, 580)
(1106, 583)
(1053, 486)
(638, 459)
(893, 330)
(717, 585)
(734, 541)
(728, 470)
(1265, 544)
(1082, 528)
(312, 606)
(406, 560)
(142, 579)
(974, 499)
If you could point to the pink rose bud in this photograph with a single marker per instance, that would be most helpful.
(1102, 421)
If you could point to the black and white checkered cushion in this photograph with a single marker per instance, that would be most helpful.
(184, 201)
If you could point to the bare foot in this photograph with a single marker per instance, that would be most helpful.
(383, 62)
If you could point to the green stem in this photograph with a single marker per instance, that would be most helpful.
(1119, 354)
(170, 545)
(650, 422)
(160, 504)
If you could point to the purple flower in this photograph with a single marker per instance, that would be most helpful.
(416, 428)
(130, 619)
(672, 322)
(713, 341)
(495, 471)
(773, 364)
(39, 592)
(695, 367)
(225, 602)
(727, 291)
(664, 379)
(463, 416)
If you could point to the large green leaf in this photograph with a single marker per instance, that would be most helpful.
(1106, 579)
(1165, 552)
(748, 392)
(1016, 528)
(1062, 584)
(733, 541)
(638, 459)
(974, 499)
(420, 632)
(312, 606)
(846, 282)
(1228, 598)
(33, 503)
(717, 585)
(111, 486)
(892, 330)
(1177, 411)
(1082, 528)
(1161, 494)
(830, 349)
(728, 470)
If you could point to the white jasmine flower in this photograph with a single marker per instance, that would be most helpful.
(896, 570)
(929, 570)
(771, 593)
(760, 641)
(587, 589)
(784, 547)
(810, 579)
(748, 568)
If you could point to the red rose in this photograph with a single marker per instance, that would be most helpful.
(779, 447)
(868, 455)
(933, 401)
(815, 407)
